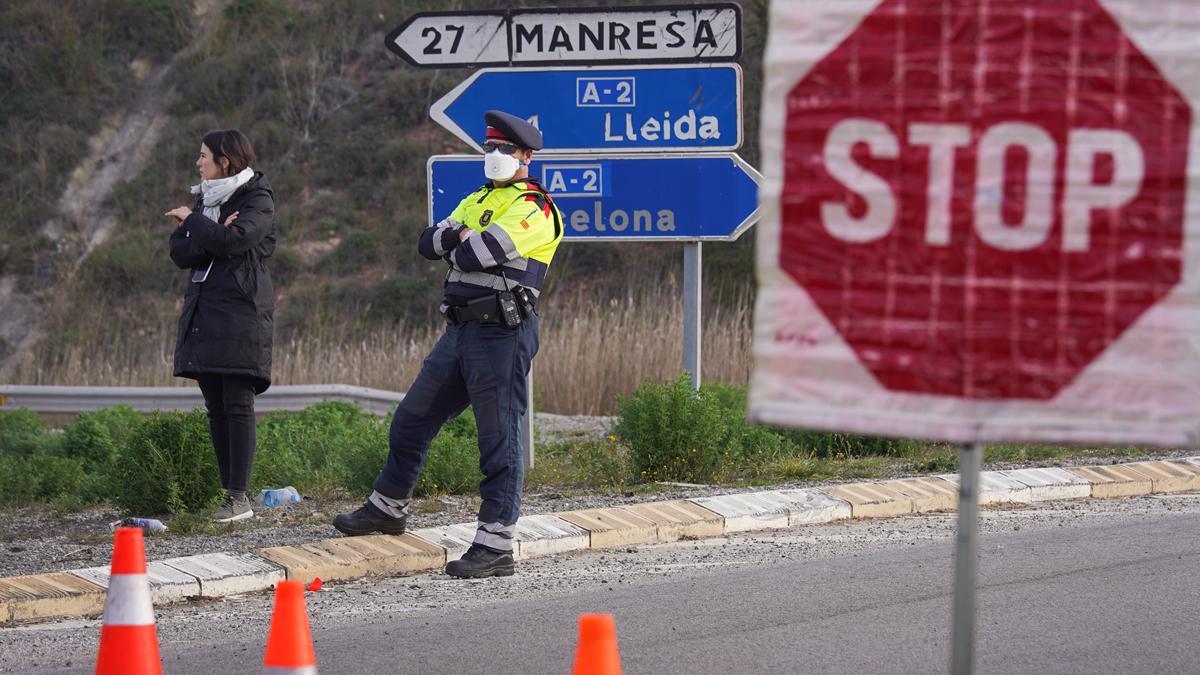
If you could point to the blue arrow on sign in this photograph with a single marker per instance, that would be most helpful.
(605, 110)
(669, 197)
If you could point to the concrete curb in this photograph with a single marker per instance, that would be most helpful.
(80, 593)
(1049, 484)
(749, 511)
(1114, 481)
(872, 500)
(48, 596)
(612, 527)
(167, 584)
(354, 557)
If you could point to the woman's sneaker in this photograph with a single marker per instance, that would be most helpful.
(233, 509)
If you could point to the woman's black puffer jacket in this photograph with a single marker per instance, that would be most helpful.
(227, 321)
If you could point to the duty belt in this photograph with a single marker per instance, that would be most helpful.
(485, 310)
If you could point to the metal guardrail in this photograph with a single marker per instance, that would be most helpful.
(51, 399)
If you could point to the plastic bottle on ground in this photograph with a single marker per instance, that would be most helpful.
(279, 497)
(147, 524)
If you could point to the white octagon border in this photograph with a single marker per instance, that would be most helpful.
(1144, 389)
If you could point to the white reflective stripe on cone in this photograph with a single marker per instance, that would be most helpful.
(277, 670)
(127, 602)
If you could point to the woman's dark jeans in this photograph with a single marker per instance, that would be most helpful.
(230, 403)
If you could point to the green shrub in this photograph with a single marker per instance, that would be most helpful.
(285, 266)
(396, 103)
(452, 465)
(355, 159)
(757, 448)
(21, 432)
(121, 421)
(358, 250)
(811, 443)
(252, 11)
(295, 316)
(330, 444)
(830, 444)
(354, 300)
(361, 448)
(154, 27)
(206, 78)
(361, 462)
(337, 445)
(1022, 452)
(133, 262)
(168, 467)
(396, 297)
(347, 299)
(582, 463)
(39, 477)
(675, 433)
(96, 438)
(21, 250)
(942, 464)
(90, 444)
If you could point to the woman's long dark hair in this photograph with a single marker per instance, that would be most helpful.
(232, 145)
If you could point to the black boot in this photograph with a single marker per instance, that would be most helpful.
(368, 519)
(481, 562)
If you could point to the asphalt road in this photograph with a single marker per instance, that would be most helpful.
(1071, 587)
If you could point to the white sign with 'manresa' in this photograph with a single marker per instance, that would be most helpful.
(658, 34)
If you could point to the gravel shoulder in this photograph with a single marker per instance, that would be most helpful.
(37, 539)
(235, 626)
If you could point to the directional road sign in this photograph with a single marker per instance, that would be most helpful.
(668, 197)
(591, 35)
(605, 110)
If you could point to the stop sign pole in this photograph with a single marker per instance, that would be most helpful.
(979, 226)
(966, 559)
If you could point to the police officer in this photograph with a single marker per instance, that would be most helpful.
(498, 243)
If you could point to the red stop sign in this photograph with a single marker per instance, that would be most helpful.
(981, 197)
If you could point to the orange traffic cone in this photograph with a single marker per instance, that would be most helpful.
(597, 653)
(289, 644)
(128, 640)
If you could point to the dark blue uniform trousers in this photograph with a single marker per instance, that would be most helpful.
(485, 366)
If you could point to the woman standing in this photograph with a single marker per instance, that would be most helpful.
(225, 329)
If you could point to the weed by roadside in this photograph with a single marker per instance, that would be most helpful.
(666, 433)
(580, 463)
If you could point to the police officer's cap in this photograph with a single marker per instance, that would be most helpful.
(504, 127)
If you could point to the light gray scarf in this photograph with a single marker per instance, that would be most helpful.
(218, 191)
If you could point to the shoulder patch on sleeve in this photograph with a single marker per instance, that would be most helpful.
(539, 201)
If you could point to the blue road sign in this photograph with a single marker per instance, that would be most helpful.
(605, 110)
(669, 197)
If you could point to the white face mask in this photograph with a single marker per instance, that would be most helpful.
(499, 166)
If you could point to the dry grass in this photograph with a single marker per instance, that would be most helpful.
(590, 353)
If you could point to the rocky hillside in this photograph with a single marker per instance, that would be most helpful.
(104, 106)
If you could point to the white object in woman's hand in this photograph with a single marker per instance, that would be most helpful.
(232, 217)
(179, 213)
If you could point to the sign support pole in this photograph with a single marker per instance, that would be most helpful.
(691, 310)
(966, 558)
